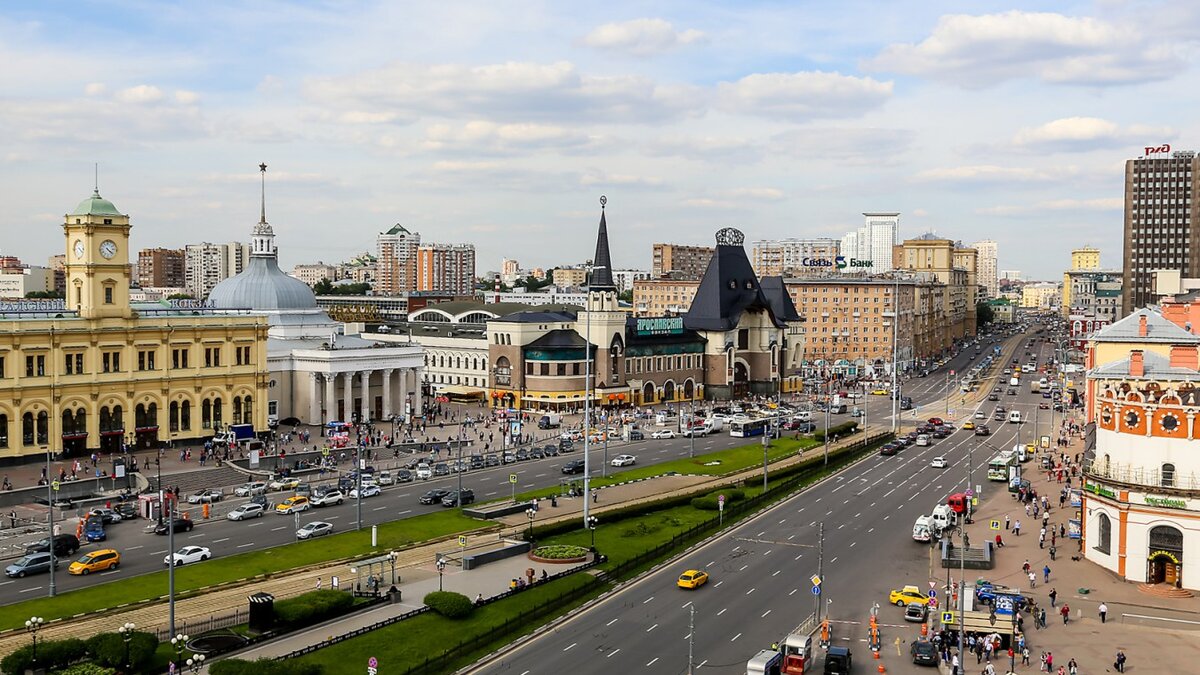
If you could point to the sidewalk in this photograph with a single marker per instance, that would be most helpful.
(1151, 643)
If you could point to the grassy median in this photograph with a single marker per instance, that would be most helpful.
(395, 534)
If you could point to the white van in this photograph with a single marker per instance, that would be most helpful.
(1014, 417)
(803, 416)
(943, 517)
(923, 439)
(923, 529)
(1014, 382)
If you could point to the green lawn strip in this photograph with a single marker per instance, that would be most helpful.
(408, 644)
(395, 534)
(718, 463)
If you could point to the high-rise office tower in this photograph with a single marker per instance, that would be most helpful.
(988, 272)
(1161, 205)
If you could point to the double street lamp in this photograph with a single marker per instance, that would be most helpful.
(592, 522)
(126, 632)
(179, 643)
(531, 512)
(196, 663)
(441, 567)
(33, 625)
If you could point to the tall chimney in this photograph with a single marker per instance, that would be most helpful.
(1142, 328)
(1137, 368)
(497, 286)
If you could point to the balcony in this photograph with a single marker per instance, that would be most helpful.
(1138, 477)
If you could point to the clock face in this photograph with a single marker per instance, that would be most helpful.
(108, 249)
(78, 248)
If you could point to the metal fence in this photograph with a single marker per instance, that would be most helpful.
(1138, 475)
(198, 626)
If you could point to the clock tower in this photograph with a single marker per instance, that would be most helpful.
(97, 265)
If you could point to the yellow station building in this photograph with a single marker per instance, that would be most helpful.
(94, 371)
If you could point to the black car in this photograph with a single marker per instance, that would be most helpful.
(181, 525)
(982, 430)
(536, 453)
(476, 461)
(939, 432)
(636, 435)
(64, 545)
(924, 653)
(404, 476)
(565, 445)
(453, 498)
(127, 510)
(888, 449)
(491, 460)
(550, 450)
(573, 466)
(522, 455)
(441, 469)
(1011, 392)
(993, 397)
(434, 496)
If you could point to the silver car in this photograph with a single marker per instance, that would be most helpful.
(251, 489)
(314, 529)
(245, 511)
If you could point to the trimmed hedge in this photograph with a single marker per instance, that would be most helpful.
(840, 430)
(87, 669)
(449, 604)
(265, 667)
(312, 607)
(559, 552)
(108, 649)
(52, 654)
(709, 501)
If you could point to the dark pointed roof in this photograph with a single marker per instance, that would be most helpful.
(558, 339)
(602, 279)
(781, 301)
(728, 288)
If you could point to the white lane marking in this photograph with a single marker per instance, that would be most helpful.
(651, 628)
(379, 508)
(767, 552)
(611, 622)
(569, 646)
(793, 592)
(5, 583)
(749, 591)
(245, 545)
(853, 543)
(254, 524)
(276, 529)
(798, 557)
(652, 662)
(735, 637)
(610, 654)
(791, 536)
(834, 560)
(489, 494)
(776, 573)
(743, 569)
(764, 614)
(685, 606)
(718, 584)
(28, 590)
(134, 548)
(217, 541)
(710, 564)
(722, 611)
(648, 599)
(762, 533)
(404, 512)
(158, 552)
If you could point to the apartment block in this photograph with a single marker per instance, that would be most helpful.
(446, 268)
(206, 265)
(1162, 209)
(943, 260)
(795, 257)
(570, 277)
(396, 261)
(657, 297)
(989, 271)
(161, 267)
(313, 273)
(679, 261)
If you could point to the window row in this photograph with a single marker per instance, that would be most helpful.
(35, 426)
(110, 360)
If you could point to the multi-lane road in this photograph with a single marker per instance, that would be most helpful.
(760, 571)
(143, 552)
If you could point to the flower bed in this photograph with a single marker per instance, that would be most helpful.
(560, 553)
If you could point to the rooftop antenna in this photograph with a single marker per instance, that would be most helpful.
(262, 168)
(96, 171)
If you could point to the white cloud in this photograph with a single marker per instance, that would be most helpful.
(986, 173)
(143, 93)
(594, 177)
(186, 97)
(802, 95)
(707, 203)
(1101, 204)
(95, 89)
(485, 137)
(1081, 134)
(723, 149)
(641, 37)
(762, 194)
(979, 51)
(846, 145)
(512, 91)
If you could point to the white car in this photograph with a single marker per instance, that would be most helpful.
(328, 497)
(980, 415)
(314, 529)
(696, 431)
(246, 511)
(923, 440)
(424, 472)
(284, 484)
(663, 433)
(205, 497)
(939, 463)
(623, 460)
(188, 554)
(385, 478)
(250, 489)
(367, 491)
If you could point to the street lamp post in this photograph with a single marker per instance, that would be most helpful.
(691, 421)
(530, 513)
(126, 632)
(51, 486)
(441, 568)
(592, 522)
(196, 663)
(587, 394)
(171, 567)
(179, 643)
(32, 626)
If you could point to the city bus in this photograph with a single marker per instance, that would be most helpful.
(998, 467)
(745, 428)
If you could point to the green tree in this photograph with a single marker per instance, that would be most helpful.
(48, 295)
(626, 296)
(984, 314)
(180, 296)
(323, 287)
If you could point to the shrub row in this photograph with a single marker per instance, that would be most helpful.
(104, 651)
(108, 649)
(709, 501)
(312, 607)
(449, 604)
(559, 552)
(264, 667)
(51, 654)
(839, 430)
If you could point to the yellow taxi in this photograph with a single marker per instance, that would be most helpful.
(909, 595)
(968, 425)
(292, 505)
(879, 392)
(692, 579)
(96, 561)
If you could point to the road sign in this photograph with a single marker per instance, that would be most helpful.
(720, 499)
(372, 666)
(994, 525)
(933, 602)
(55, 485)
(816, 580)
(932, 591)
(969, 492)
(462, 540)
(512, 478)
(816, 590)
(932, 584)
(947, 617)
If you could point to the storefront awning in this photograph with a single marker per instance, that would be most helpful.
(456, 390)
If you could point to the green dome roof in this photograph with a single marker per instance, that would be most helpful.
(96, 206)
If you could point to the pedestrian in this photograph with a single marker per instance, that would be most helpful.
(1103, 609)
(1053, 551)
(1049, 661)
(1066, 613)
(954, 665)
(1119, 664)
(1025, 566)
(1025, 656)
(1017, 528)
(1042, 616)
(999, 541)
(318, 583)
(1006, 521)
(1072, 667)
(1053, 596)
(1046, 574)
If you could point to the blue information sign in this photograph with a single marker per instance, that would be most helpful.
(933, 592)
(816, 590)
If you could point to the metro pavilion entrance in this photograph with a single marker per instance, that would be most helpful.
(1165, 557)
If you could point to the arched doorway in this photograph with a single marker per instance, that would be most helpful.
(741, 380)
(669, 391)
(689, 390)
(648, 393)
(145, 417)
(74, 432)
(112, 428)
(1165, 557)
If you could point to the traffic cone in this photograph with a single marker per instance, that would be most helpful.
(876, 655)
(882, 669)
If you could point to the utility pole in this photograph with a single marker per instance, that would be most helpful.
(171, 565)
(828, 403)
(691, 635)
(895, 347)
(362, 464)
(820, 566)
(691, 421)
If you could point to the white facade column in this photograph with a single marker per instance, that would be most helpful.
(364, 413)
(330, 399)
(418, 399)
(348, 395)
(387, 393)
(402, 398)
(314, 399)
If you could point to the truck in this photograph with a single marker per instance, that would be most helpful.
(713, 424)
(550, 421)
(766, 662)
(923, 529)
(234, 434)
(1035, 386)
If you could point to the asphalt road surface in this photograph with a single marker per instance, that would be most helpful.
(760, 588)
(143, 552)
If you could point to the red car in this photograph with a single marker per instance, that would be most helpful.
(935, 421)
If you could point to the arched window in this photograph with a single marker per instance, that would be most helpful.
(206, 414)
(185, 416)
(152, 415)
(237, 409)
(3, 431)
(173, 416)
(247, 411)
(27, 429)
(43, 428)
(1104, 534)
(503, 371)
(118, 419)
(1168, 475)
(139, 416)
(217, 412)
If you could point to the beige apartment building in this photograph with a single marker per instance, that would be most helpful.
(161, 267)
(681, 262)
(795, 257)
(657, 297)
(314, 272)
(570, 277)
(956, 267)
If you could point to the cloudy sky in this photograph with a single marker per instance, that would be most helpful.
(501, 124)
